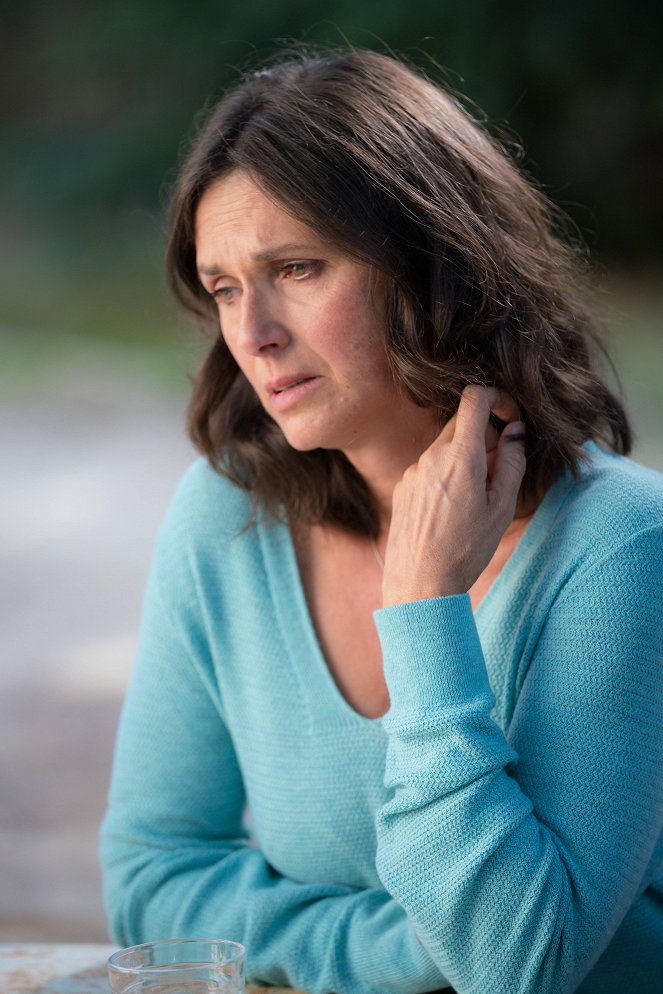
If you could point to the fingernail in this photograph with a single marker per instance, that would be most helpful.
(515, 432)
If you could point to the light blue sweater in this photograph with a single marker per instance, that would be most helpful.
(514, 843)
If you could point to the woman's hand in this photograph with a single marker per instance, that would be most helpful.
(452, 506)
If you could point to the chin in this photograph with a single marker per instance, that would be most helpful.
(306, 437)
(306, 444)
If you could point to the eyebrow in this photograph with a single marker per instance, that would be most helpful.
(268, 255)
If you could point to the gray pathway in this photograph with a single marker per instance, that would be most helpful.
(89, 460)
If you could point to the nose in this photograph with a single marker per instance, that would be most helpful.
(260, 328)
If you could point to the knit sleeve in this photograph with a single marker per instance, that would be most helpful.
(517, 856)
(177, 859)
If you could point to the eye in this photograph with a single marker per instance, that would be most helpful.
(223, 294)
(298, 270)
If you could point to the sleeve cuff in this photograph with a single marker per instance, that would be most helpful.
(431, 653)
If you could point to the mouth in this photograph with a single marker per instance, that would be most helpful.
(288, 390)
(283, 383)
(295, 383)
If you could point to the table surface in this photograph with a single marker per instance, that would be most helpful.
(46, 968)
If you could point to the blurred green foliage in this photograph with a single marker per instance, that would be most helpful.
(100, 95)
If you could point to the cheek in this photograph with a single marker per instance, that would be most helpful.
(364, 347)
(241, 358)
(245, 367)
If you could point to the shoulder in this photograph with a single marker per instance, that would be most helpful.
(206, 502)
(208, 515)
(614, 506)
(638, 485)
(614, 495)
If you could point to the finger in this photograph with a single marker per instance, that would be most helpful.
(448, 431)
(477, 403)
(472, 422)
(493, 401)
(510, 465)
(504, 406)
(493, 432)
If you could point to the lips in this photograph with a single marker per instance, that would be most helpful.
(289, 391)
(283, 383)
(295, 384)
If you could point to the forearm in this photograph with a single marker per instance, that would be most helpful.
(511, 889)
(320, 939)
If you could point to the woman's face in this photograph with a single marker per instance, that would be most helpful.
(303, 321)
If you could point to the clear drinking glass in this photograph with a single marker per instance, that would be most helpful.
(178, 966)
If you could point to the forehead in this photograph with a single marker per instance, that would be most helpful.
(235, 215)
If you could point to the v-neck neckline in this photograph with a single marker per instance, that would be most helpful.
(292, 607)
(291, 602)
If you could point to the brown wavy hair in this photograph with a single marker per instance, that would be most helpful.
(481, 288)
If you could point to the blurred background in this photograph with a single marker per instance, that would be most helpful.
(97, 101)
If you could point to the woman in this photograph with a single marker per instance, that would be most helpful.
(409, 611)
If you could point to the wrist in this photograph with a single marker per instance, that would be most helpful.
(394, 595)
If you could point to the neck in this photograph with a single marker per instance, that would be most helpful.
(382, 465)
